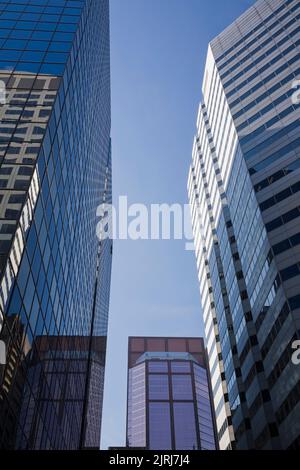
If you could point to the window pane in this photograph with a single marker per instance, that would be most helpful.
(159, 426)
(182, 387)
(184, 424)
(180, 366)
(158, 366)
(158, 387)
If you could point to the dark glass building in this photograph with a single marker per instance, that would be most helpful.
(169, 398)
(55, 170)
(244, 185)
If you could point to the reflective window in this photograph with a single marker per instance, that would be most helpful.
(40, 186)
(158, 366)
(158, 387)
(185, 427)
(159, 426)
(182, 366)
(182, 387)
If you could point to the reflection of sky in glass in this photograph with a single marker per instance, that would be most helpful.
(204, 409)
(182, 387)
(158, 387)
(137, 407)
(41, 40)
(176, 384)
(180, 367)
(159, 366)
(159, 425)
(185, 428)
(52, 179)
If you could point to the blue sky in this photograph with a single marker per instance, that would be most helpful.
(158, 51)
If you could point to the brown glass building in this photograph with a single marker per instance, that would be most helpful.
(169, 396)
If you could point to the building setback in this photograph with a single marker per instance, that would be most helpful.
(169, 397)
(55, 170)
(243, 186)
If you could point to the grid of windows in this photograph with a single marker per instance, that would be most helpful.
(185, 426)
(249, 35)
(247, 142)
(36, 37)
(55, 169)
(160, 426)
(204, 409)
(158, 387)
(169, 400)
(136, 408)
(175, 387)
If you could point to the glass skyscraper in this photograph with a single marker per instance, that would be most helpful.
(55, 170)
(243, 186)
(169, 398)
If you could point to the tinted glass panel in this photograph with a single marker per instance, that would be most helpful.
(159, 426)
(182, 387)
(158, 386)
(185, 428)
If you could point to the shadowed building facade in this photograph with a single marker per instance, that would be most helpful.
(243, 186)
(169, 402)
(55, 170)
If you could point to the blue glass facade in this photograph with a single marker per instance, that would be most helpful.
(55, 171)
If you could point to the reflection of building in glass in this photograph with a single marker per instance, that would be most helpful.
(12, 378)
(169, 398)
(64, 377)
(55, 170)
(24, 117)
(244, 193)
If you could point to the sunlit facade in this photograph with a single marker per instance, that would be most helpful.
(169, 401)
(55, 170)
(243, 187)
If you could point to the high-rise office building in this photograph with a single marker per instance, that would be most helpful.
(169, 398)
(55, 170)
(243, 188)
(75, 371)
